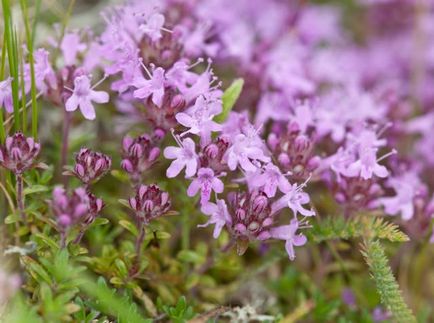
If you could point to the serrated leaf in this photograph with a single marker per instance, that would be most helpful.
(229, 97)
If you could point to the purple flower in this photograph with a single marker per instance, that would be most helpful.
(289, 233)
(18, 154)
(407, 188)
(294, 198)
(6, 95)
(199, 118)
(244, 151)
(218, 215)
(153, 87)
(150, 202)
(206, 182)
(45, 78)
(269, 180)
(153, 25)
(90, 166)
(69, 209)
(70, 47)
(185, 156)
(82, 97)
(367, 165)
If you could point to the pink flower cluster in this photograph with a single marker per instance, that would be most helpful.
(318, 108)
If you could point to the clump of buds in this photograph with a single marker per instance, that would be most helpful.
(150, 202)
(293, 151)
(213, 153)
(251, 215)
(138, 155)
(91, 166)
(19, 152)
(356, 193)
(77, 208)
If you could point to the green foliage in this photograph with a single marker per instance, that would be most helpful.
(181, 312)
(229, 98)
(386, 284)
(356, 227)
(11, 42)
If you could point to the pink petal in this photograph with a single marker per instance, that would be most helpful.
(71, 103)
(175, 168)
(87, 109)
(193, 188)
(99, 96)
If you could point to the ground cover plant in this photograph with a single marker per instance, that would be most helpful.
(217, 161)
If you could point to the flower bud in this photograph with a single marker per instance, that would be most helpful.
(19, 153)
(150, 202)
(138, 154)
(91, 166)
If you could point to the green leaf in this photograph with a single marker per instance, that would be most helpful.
(41, 238)
(230, 96)
(161, 235)
(12, 218)
(387, 286)
(129, 226)
(191, 256)
(122, 268)
(100, 221)
(35, 189)
(36, 270)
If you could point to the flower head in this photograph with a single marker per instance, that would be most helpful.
(150, 202)
(69, 209)
(90, 166)
(138, 154)
(19, 152)
(83, 96)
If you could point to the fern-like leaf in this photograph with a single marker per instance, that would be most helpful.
(356, 227)
(387, 286)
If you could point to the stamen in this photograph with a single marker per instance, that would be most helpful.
(200, 60)
(393, 152)
(145, 68)
(166, 30)
(100, 81)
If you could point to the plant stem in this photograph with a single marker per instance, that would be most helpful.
(139, 242)
(20, 197)
(62, 240)
(80, 235)
(65, 144)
